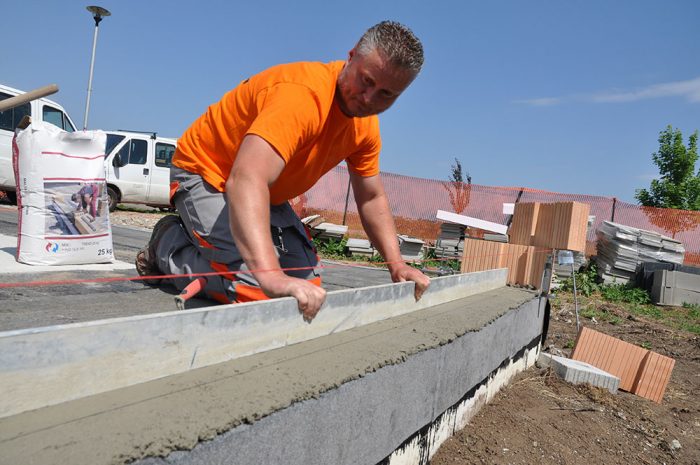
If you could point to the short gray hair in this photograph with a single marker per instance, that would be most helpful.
(399, 44)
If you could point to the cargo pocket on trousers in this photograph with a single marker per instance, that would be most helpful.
(293, 246)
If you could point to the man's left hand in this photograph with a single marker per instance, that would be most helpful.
(404, 273)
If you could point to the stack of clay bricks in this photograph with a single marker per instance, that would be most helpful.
(641, 371)
(536, 230)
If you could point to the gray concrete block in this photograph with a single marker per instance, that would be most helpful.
(675, 288)
(576, 372)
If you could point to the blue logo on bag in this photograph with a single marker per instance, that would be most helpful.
(52, 247)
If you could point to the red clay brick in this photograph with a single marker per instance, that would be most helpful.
(610, 354)
(653, 376)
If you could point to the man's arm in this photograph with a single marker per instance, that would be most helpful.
(378, 222)
(257, 166)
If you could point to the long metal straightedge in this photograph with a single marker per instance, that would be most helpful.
(47, 366)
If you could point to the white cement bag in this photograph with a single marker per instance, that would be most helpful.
(61, 196)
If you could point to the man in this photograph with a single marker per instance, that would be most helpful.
(86, 198)
(267, 141)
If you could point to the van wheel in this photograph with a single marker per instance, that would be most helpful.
(113, 198)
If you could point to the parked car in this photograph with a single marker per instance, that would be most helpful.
(137, 167)
(41, 109)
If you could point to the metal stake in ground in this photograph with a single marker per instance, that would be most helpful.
(566, 257)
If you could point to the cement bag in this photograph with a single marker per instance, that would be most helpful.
(61, 196)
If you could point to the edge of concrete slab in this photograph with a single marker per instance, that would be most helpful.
(39, 366)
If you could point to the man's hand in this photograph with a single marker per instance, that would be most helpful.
(402, 272)
(309, 296)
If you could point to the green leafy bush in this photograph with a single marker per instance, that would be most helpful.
(625, 293)
(587, 284)
(586, 281)
(330, 248)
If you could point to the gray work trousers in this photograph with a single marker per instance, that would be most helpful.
(205, 244)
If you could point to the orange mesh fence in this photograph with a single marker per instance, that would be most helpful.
(415, 202)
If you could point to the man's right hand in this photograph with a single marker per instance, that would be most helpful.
(310, 297)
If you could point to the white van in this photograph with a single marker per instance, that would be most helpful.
(41, 109)
(137, 166)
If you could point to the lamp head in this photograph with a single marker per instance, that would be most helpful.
(98, 12)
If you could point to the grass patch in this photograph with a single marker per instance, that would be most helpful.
(613, 302)
(684, 318)
(590, 313)
(332, 249)
(601, 313)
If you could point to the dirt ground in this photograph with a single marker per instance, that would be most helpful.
(540, 419)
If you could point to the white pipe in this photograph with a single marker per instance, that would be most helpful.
(92, 66)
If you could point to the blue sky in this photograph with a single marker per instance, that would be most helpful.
(561, 96)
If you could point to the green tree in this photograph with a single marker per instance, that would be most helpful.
(457, 189)
(679, 184)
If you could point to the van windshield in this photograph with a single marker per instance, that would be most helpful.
(57, 118)
(112, 141)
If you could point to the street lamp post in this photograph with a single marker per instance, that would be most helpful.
(98, 13)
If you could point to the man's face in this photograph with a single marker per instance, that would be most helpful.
(368, 84)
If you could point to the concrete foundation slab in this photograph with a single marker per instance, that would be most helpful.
(109, 354)
(351, 397)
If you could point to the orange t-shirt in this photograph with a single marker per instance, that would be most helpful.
(292, 107)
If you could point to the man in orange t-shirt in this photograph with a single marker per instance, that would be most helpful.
(267, 141)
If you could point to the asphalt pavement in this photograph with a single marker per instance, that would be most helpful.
(46, 296)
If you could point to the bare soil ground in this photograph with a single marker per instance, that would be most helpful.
(540, 419)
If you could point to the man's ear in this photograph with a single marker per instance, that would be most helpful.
(352, 53)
